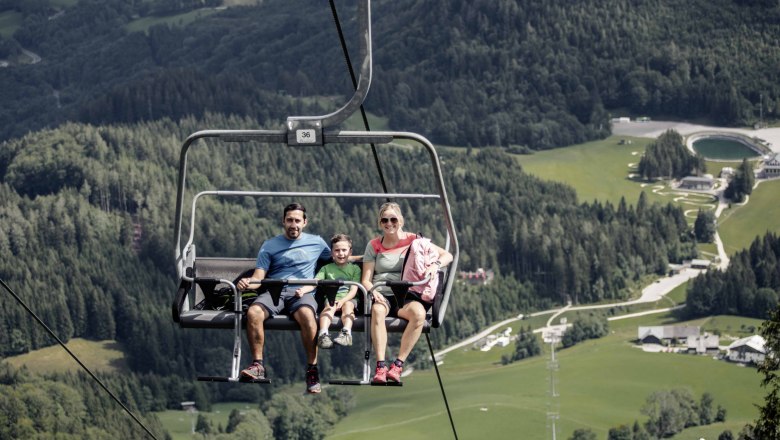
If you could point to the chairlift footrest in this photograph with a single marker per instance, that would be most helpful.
(348, 382)
(387, 384)
(248, 380)
(228, 379)
(213, 379)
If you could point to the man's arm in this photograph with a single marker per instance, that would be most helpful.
(257, 275)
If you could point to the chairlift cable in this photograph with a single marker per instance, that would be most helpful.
(384, 187)
(62, 344)
(351, 70)
(441, 385)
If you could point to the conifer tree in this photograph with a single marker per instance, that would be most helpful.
(704, 226)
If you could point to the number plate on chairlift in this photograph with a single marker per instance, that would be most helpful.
(306, 136)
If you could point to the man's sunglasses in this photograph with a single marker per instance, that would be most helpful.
(392, 220)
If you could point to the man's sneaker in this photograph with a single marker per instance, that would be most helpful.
(344, 339)
(325, 341)
(313, 381)
(380, 376)
(254, 371)
(394, 373)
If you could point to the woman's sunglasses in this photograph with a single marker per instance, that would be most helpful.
(392, 220)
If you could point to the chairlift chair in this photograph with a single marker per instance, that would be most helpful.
(198, 275)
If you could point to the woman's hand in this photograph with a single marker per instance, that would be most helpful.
(432, 270)
(378, 298)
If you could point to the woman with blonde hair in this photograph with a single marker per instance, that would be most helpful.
(383, 260)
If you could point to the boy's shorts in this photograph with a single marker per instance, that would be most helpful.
(288, 301)
(354, 302)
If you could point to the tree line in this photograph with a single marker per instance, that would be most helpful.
(73, 406)
(70, 406)
(748, 287)
(590, 325)
(668, 157)
(520, 75)
(741, 184)
(668, 413)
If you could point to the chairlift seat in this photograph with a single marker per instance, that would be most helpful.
(208, 269)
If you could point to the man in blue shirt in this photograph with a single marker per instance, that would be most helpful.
(292, 255)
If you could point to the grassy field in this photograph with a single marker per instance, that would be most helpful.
(104, 356)
(180, 423)
(9, 23)
(63, 3)
(600, 170)
(605, 171)
(597, 170)
(715, 168)
(739, 225)
(143, 24)
(601, 383)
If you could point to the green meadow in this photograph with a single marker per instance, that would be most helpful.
(178, 20)
(180, 423)
(602, 384)
(601, 170)
(598, 170)
(99, 356)
(606, 171)
(9, 23)
(739, 225)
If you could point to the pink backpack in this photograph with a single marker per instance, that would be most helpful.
(422, 253)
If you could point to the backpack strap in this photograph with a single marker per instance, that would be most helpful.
(406, 255)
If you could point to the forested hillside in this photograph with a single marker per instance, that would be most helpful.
(89, 215)
(70, 407)
(470, 73)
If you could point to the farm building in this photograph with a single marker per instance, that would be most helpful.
(748, 350)
(771, 166)
(665, 334)
(704, 344)
(696, 183)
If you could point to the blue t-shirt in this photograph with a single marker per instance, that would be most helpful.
(282, 258)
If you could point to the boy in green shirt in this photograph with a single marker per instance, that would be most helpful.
(340, 269)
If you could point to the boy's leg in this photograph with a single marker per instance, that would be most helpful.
(326, 317)
(347, 317)
(323, 340)
(348, 314)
